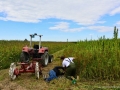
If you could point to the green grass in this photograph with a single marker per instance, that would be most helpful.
(96, 59)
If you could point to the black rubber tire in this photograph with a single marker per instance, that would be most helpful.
(24, 57)
(45, 59)
(51, 58)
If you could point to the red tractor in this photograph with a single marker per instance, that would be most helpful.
(37, 53)
(31, 59)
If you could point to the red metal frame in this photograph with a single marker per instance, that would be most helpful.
(23, 68)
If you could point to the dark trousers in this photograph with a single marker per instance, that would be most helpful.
(71, 71)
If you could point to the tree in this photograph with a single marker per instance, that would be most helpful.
(25, 40)
(115, 33)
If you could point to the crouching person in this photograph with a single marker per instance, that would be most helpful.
(69, 66)
(54, 73)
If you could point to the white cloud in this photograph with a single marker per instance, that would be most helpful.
(60, 25)
(115, 11)
(101, 28)
(85, 12)
(101, 22)
(118, 23)
(64, 26)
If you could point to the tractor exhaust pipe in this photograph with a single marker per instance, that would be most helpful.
(40, 41)
(31, 41)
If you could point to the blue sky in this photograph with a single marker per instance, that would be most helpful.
(58, 20)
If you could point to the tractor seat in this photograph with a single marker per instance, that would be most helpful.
(36, 46)
(36, 49)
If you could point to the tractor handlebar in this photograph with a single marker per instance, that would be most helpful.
(32, 36)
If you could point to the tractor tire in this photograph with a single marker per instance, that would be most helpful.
(24, 57)
(11, 71)
(51, 58)
(45, 59)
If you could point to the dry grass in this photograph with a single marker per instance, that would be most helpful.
(27, 81)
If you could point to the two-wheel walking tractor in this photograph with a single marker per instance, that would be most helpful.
(32, 59)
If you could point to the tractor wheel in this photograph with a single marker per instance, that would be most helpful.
(11, 71)
(51, 58)
(37, 70)
(24, 57)
(45, 58)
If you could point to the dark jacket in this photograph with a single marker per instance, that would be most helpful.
(57, 70)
